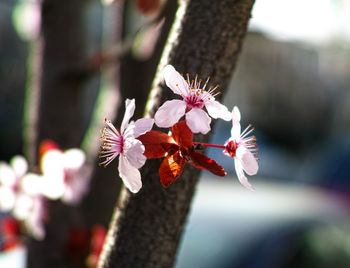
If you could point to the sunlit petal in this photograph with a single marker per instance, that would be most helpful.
(248, 161)
(241, 177)
(170, 113)
(175, 81)
(236, 125)
(129, 112)
(198, 121)
(130, 175)
(217, 110)
(142, 126)
(133, 151)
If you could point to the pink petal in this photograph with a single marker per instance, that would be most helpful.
(198, 121)
(76, 188)
(170, 113)
(241, 177)
(217, 110)
(142, 126)
(133, 151)
(236, 126)
(248, 161)
(130, 175)
(175, 81)
(129, 112)
(236, 115)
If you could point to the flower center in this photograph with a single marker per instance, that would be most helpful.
(194, 100)
(230, 148)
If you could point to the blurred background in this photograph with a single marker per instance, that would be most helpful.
(292, 85)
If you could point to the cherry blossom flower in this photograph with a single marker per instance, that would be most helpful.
(20, 194)
(124, 144)
(177, 149)
(194, 99)
(243, 149)
(10, 179)
(64, 173)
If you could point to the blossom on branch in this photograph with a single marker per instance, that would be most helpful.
(124, 144)
(64, 173)
(194, 99)
(21, 195)
(243, 149)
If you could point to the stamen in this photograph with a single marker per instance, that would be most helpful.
(249, 129)
(206, 83)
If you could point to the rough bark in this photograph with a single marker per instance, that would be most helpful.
(63, 52)
(60, 110)
(146, 228)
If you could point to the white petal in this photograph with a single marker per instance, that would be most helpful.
(23, 206)
(236, 126)
(32, 184)
(34, 221)
(7, 175)
(52, 162)
(129, 112)
(133, 151)
(236, 115)
(241, 177)
(175, 81)
(19, 165)
(7, 198)
(142, 126)
(73, 158)
(247, 159)
(130, 175)
(198, 121)
(217, 110)
(170, 113)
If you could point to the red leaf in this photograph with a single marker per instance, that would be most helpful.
(201, 161)
(170, 148)
(154, 142)
(171, 168)
(182, 135)
(148, 6)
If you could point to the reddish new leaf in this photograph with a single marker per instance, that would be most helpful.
(171, 168)
(148, 6)
(201, 161)
(154, 142)
(182, 135)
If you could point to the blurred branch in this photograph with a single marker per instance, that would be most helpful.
(146, 228)
(59, 114)
(112, 53)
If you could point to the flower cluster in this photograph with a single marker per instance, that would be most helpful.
(136, 141)
(24, 194)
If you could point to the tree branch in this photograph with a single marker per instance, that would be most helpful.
(146, 228)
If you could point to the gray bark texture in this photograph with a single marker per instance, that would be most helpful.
(146, 227)
(64, 52)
